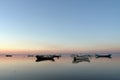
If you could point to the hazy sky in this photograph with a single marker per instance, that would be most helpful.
(80, 25)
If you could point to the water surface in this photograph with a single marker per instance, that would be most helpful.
(26, 68)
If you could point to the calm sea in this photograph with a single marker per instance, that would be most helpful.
(64, 68)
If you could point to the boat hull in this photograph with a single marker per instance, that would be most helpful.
(109, 56)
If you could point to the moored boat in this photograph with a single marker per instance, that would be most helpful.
(44, 58)
(8, 55)
(108, 55)
(81, 59)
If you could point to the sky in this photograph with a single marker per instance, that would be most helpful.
(60, 25)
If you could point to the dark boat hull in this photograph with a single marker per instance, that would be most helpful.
(109, 56)
(44, 58)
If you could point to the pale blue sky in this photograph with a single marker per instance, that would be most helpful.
(82, 24)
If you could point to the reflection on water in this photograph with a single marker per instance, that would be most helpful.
(63, 68)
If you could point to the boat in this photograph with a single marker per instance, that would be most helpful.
(30, 55)
(108, 55)
(8, 55)
(44, 58)
(76, 55)
(81, 59)
(56, 56)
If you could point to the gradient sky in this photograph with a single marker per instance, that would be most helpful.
(64, 25)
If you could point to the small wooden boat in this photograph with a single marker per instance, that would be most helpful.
(81, 59)
(56, 56)
(76, 55)
(44, 58)
(8, 55)
(109, 55)
(30, 55)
